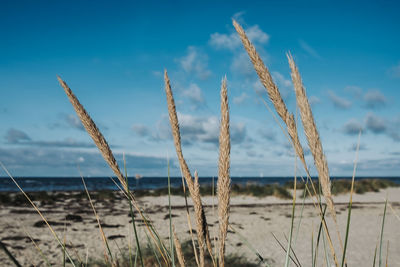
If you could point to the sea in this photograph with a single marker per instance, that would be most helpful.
(36, 184)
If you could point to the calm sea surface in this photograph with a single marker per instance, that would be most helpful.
(31, 184)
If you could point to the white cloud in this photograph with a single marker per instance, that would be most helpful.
(313, 100)
(141, 129)
(352, 127)
(375, 124)
(281, 80)
(240, 99)
(284, 85)
(309, 50)
(338, 101)
(201, 129)
(354, 90)
(232, 41)
(195, 62)
(242, 64)
(374, 99)
(395, 71)
(73, 121)
(258, 87)
(194, 94)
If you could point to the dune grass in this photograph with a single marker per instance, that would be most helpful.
(202, 251)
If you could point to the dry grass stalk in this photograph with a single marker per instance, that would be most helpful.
(179, 253)
(94, 132)
(190, 223)
(198, 217)
(280, 107)
(273, 91)
(312, 135)
(224, 180)
(102, 234)
(194, 189)
(107, 154)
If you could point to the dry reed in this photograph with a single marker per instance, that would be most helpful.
(179, 253)
(190, 223)
(194, 189)
(108, 156)
(199, 217)
(94, 132)
(288, 119)
(273, 91)
(224, 180)
(312, 135)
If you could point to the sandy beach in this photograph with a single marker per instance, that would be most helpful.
(254, 218)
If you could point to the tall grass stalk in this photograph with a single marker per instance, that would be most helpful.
(179, 252)
(203, 236)
(224, 180)
(132, 214)
(387, 254)
(190, 223)
(108, 156)
(351, 201)
(151, 248)
(289, 248)
(102, 234)
(318, 238)
(381, 235)
(312, 246)
(94, 132)
(38, 248)
(314, 144)
(284, 249)
(171, 237)
(249, 246)
(288, 119)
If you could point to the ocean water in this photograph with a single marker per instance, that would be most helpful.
(32, 184)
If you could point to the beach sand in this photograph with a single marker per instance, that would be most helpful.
(254, 218)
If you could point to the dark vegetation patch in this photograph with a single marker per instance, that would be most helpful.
(342, 186)
(166, 217)
(105, 225)
(52, 223)
(149, 259)
(74, 218)
(339, 186)
(112, 237)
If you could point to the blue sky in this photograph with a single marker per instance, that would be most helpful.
(112, 55)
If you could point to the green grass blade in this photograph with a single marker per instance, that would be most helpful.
(350, 202)
(283, 248)
(318, 238)
(247, 243)
(151, 247)
(97, 217)
(301, 216)
(312, 248)
(381, 238)
(325, 250)
(376, 249)
(136, 256)
(291, 225)
(38, 248)
(133, 216)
